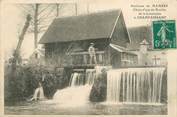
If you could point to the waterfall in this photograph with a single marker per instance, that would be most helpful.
(77, 94)
(77, 79)
(135, 85)
(90, 76)
(38, 94)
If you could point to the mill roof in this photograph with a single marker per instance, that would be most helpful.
(84, 27)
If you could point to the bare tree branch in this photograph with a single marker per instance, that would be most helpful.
(45, 8)
(46, 14)
(42, 15)
(25, 9)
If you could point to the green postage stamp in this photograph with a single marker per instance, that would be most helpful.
(164, 34)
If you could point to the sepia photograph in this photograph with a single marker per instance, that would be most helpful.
(88, 58)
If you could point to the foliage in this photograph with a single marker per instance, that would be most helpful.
(21, 82)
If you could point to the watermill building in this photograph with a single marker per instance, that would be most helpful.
(67, 40)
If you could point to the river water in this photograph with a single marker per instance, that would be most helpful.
(49, 108)
(74, 100)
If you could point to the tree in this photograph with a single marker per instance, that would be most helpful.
(16, 54)
(42, 16)
(58, 6)
(76, 9)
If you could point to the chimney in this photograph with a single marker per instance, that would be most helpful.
(144, 45)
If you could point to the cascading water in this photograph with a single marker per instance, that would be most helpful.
(77, 94)
(134, 85)
(90, 76)
(38, 93)
(77, 79)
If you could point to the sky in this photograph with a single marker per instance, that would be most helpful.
(12, 20)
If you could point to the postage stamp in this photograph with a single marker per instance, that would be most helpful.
(164, 34)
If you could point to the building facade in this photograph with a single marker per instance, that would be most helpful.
(67, 40)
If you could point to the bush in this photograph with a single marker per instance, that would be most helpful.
(21, 82)
(49, 85)
(14, 84)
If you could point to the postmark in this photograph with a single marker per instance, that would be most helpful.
(164, 34)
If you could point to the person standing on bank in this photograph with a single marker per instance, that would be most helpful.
(92, 53)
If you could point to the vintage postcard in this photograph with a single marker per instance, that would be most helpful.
(88, 57)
